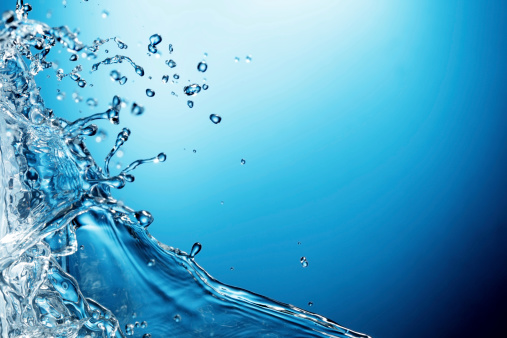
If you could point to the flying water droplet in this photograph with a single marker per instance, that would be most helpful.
(100, 136)
(82, 247)
(165, 78)
(150, 93)
(177, 318)
(129, 329)
(202, 66)
(221, 202)
(144, 218)
(155, 39)
(147, 335)
(137, 109)
(122, 80)
(236, 59)
(73, 57)
(81, 83)
(248, 59)
(192, 89)
(190, 104)
(304, 262)
(115, 75)
(232, 268)
(195, 249)
(65, 286)
(60, 96)
(205, 86)
(92, 102)
(215, 118)
(194, 151)
(243, 161)
(170, 63)
(176, 76)
(170, 49)
(144, 324)
(310, 303)
(104, 14)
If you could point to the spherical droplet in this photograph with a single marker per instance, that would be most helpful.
(161, 157)
(150, 93)
(144, 324)
(137, 109)
(144, 218)
(60, 96)
(202, 66)
(73, 57)
(122, 80)
(192, 89)
(170, 63)
(190, 104)
(310, 303)
(215, 118)
(205, 86)
(242, 161)
(177, 318)
(176, 76)
(248, 59)
(115, 75)
(81, 83)
(195, 249)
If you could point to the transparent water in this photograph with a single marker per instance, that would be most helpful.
(76, 262)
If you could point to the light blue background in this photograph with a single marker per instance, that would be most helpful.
(373, 133)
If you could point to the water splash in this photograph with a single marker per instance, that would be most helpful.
(55, 196)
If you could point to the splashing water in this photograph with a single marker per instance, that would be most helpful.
(54, 196)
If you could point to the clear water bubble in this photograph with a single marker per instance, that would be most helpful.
(205, 86)
(150, 92)
(122, 80)
(137, 109)
(165, 78)
(73, 57)
(177, 318)
(248, 58)
(190, 104)
(215, 118)
(129, 329)
(170, 63)
(202, 66)
(196, 248)
(92, 102)
(243, 161)
(115, 75)
(304, 262)
(192, 89)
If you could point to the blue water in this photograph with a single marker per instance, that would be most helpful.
(373, 134)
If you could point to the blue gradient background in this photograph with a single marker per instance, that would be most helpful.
(373, 133)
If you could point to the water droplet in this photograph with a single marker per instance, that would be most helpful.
(304, 262)
(310, 303)
(81, 83)
(152, 49)
(147, 335)
(205, 55)
(215, 118)
(150, 93)
(104, 14)
(243, 161)
(151, 262)
(65, 286)
(73, 57)
(170, 63)
(165, 78)
(160, 158)
(82, 247)
(194, 151)
(299, 243)
(140, 70)
(129, 329)
(190, 104)
(137, 325)
(170, 49)
(115, 75)
(96, 314)
(144, 324)
(232, 268)
(176, 76)
(155, 39)
(202, 66)
(236, 59)
(144, 218)
(177, 318)
(205, 86)
(137, 109)
(122, 80)
(248, 58)
(92, 102)
(222, 202)
(60, 96)
(192, 89)
(195, 249)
